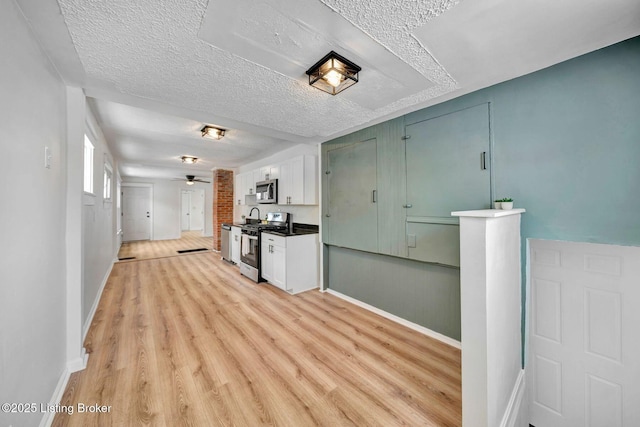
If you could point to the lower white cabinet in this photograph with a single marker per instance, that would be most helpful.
(290, 263)
(235, 244)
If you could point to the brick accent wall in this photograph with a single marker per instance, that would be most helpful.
(222, 202)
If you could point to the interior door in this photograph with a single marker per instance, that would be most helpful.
(196, 211)
(136, 213)
(185, 211)
(583, 361)
(447, 161)
(352, 214)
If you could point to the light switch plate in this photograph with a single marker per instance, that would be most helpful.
(411, 240)
(47, 157)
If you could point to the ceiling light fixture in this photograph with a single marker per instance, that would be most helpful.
(190, 182)
(333, 73)
(212, 132)
(189, 159)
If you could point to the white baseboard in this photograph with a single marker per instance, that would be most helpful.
(419, 328)
(74, 365)
(94, 306)
(512, 414)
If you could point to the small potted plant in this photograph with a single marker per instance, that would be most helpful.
(497, 204)
(507, 203)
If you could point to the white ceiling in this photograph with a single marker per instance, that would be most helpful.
(157, 71)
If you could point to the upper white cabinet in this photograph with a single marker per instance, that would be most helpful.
(244, 185)
(268, 172)
(298, 181)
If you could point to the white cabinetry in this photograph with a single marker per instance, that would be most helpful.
(242, 186)
(297, 184)
(268, 172)
(238, 191)
(235, 244)
(297, 181)
(245, 185)
(290, 263)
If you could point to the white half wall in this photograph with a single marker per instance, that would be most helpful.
(32, 219)
(490, 277)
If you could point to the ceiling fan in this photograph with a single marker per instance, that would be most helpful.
(191, 179)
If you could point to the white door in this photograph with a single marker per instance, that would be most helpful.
(136, 213)
(196, 211)
(185, 211)
(583, 361)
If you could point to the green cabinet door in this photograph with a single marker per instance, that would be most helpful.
(351, 219)
(447, 160)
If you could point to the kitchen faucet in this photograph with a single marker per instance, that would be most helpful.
(251, 211)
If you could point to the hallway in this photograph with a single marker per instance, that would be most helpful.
(147, 249)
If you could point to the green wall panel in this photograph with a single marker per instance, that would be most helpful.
(426, 294)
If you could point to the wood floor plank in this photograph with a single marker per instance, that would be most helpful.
(187, 340)
(148, 249)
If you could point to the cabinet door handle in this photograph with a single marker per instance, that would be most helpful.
(327, 215)
(407, 206)
(374, 196)
(483, 160)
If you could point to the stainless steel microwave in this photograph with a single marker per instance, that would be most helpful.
(267, 191)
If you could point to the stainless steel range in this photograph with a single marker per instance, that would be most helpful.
(250, 242)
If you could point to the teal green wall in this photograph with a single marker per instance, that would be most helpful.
(566, 145)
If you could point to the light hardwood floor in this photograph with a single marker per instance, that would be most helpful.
(186, 340)
(147, 249)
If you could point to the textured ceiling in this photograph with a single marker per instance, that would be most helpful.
(152, 50)
(240, 64)
(151, 144)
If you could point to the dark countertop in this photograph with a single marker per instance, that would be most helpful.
(298, 230)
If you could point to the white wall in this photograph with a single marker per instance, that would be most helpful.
(167, 206)
(99, 222)
(32, 220)
(301, 214)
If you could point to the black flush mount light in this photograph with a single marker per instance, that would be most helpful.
(333, 73)
(212, 132)
(189, 159)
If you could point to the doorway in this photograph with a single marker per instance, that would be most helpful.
(192, 210)
(136, 213)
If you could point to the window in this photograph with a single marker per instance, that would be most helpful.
(88, 165)
(108, 174)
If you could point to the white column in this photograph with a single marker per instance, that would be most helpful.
(490, 279)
